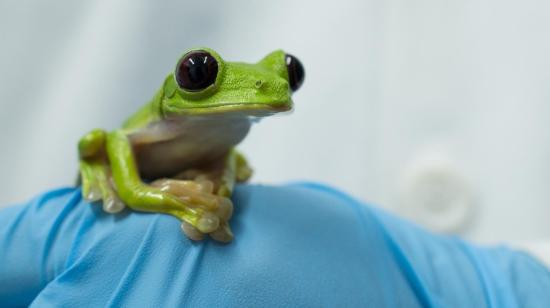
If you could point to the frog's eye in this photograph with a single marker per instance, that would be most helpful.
(196, 71)
(295, 70)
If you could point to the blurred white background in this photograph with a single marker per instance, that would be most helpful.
(436, 110)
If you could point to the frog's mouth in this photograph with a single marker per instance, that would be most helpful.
(237, 109)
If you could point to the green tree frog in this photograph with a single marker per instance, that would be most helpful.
(176, 155)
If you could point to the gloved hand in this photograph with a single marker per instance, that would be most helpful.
(298, 245)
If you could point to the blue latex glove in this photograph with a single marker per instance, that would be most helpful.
(298, 245)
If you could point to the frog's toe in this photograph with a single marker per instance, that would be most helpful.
(113, 205)
(191, 232)
(208, 223)
(212, 210)
(205, 186)
(223, 233)
(225, 208)
(93, 194)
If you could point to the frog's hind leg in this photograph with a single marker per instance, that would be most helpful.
(95, 172)
(235, 169)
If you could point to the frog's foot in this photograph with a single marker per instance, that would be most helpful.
(199, 193)
(217, 210)
(97, 185)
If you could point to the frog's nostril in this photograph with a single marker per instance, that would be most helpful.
(259, 83)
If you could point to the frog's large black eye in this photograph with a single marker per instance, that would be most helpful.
(296, 72)
(196, 71)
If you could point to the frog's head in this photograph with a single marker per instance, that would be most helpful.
(203, 83)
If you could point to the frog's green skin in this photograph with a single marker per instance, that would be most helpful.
(190, 136)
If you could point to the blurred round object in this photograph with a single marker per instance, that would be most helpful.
(436, 195)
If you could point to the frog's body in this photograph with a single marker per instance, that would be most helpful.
(167, 147)
(176, 155)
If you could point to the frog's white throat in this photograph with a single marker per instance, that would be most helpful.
(186, 142)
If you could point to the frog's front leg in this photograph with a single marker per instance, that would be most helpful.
(142, 197)
(200, 189)
(95, 172)
(220, 178)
